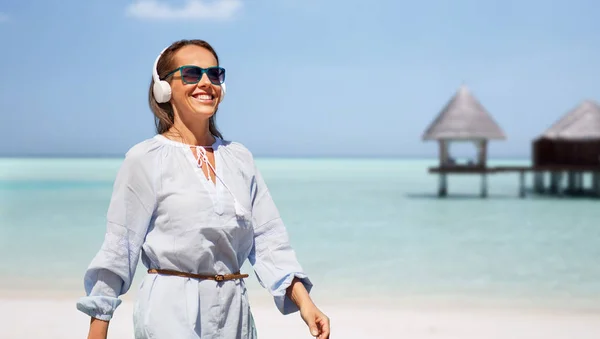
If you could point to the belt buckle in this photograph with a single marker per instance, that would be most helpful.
(219, 277)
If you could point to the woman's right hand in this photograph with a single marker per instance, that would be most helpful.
(98, 329)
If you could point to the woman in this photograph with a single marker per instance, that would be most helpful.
(196, 207)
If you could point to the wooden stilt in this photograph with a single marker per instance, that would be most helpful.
(522, 184)
(554, 182)
(443, 185)
(596, 183)
(538, 182)
(545, 187)
(571, 182)
(484, 185)
(578, 182)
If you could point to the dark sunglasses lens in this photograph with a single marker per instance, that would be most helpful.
(191, 74)
(216, 75)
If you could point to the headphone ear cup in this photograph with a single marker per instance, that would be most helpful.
(223, 91)
(162, 91)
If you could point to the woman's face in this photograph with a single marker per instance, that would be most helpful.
(194, 101)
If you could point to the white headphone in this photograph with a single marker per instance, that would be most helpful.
(162, 89)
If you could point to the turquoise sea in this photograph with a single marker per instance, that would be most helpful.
(362, 228)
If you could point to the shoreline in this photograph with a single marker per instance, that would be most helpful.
(56, 318)
(411, 302)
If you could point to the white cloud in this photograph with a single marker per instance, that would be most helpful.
(3, 17)
(193, 9)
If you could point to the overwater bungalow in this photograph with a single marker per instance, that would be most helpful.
(569, 148)
(462, 119)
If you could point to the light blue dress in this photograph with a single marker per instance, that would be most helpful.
(165, 208)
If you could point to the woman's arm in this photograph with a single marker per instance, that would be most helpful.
(112, 269)
(318, 323)
(276, 265)
(98, 329)
(298, 294)
(272, 256)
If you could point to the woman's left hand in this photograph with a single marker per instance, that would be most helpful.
(318, 323)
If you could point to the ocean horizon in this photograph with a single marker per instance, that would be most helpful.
(275, 156)
(363, 229)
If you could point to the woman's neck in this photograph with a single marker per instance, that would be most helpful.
(197, 135)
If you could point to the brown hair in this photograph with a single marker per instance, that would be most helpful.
(163, 113)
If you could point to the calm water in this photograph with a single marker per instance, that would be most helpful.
(361, 228)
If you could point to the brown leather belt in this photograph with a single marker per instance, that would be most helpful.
(216, 277)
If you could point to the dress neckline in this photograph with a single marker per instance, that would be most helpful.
(168, 141)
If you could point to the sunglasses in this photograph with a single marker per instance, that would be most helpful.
(193, 74)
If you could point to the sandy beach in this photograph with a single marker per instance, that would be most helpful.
(26, 318)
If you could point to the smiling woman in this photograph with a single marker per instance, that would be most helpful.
(196, 208)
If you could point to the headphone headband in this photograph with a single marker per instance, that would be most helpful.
(155, 69)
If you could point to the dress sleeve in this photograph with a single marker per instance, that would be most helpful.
(111, 271)
(272, 257)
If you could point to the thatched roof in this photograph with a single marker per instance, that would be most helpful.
(462, 118)
(581, 123)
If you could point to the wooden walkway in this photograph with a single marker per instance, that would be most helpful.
(556, 172)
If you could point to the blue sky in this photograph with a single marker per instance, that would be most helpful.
(305, 78)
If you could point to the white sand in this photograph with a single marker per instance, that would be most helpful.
(22, 318)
